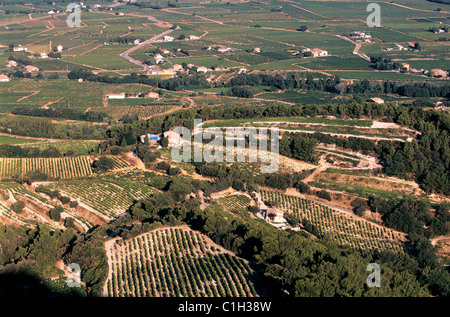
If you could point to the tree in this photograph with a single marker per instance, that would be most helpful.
(55, 213)
(18, 206)
(303, 187)
(324, 195)
(302, 28)
(165, 142)
(103, 164)
(182, 37)
(417, 46)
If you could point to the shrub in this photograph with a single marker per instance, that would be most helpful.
(55, 213)
(64, 200)
(18, 206)
(73, 204)
(303, 187)
(324, 195)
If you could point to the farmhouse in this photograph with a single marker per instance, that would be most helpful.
(31, 68)
(256, 50)
(242, 70)
(177, 67)
(151, 95)
(116, 96)
(405, 65)
(359, 34)
(59, 48)
(136, 41)
(224, 49)
(4, 78)
(20, 48)
(166, 52)
(167, 38)
(158, 58)
(202, 69)
(273, 215)
(193, 37)
(173, 137)
(11, 63)
(318, 52)
(377, 100)
(439, 72)
(43, 55)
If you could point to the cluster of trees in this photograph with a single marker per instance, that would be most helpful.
(65, 113)
(412, 216)
(7, 150)
(54, 193)
(170, 170)
(384, 63)
(28, 256)
(44, 127)
(103, 164)
(299, 146)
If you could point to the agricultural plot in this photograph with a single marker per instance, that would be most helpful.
(109, 198)
(104, 57)
(337, 226)
(175, 262)
(236, 204)
(81, 147)
(64, 167)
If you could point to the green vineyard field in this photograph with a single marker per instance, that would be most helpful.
(174, 262)
(344, 229)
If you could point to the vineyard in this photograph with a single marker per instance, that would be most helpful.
(234, 203)
(336, 226)
(17, 190)
(142, 111)
(64, 167)
(174, 262)
(107, 197)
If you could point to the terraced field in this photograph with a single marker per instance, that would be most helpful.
(234, 203)
(337, 226)
(63, 167)
(107, 197)
(174, 262)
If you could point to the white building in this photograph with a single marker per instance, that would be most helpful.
(168, 38)
(136, 41)
(151, 95)
(11, 63)
(31, 68)
(319, 52)
(173, 137)
(224, 49)
(273, 215)
(193, 37)
(177, 67)
(242, 70)
(377, 100)
(4, 78)
(116, 96)
(59, 48)
(20, 48)
(43, 55)
(256, 50)
(158, 58)
(202, 69)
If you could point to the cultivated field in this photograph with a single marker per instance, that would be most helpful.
(174, 262)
